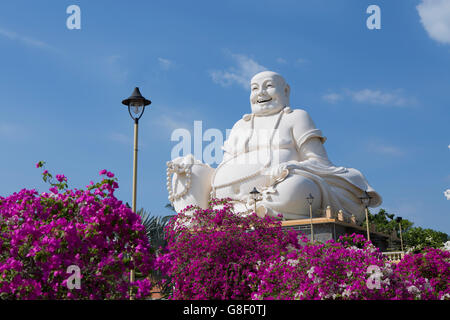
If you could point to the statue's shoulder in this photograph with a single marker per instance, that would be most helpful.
(241, 123)
(300, 121)
(296, 115)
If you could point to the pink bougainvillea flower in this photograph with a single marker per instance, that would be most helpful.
(61, 177)
(53, 190)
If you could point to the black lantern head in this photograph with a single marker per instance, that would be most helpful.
(136, 104)
(254, 194)
(398, 219)
(310, 199)
(365, 200)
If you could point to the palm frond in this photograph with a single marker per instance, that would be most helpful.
(170, 206)
(155, 228)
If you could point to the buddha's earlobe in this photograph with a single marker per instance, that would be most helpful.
(287, 90)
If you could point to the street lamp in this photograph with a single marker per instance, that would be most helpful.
(365, 200)
(254, 194)
(310, 199)
(136, 105)
(399, 221)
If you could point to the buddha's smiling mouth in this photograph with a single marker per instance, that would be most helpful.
(264, 101)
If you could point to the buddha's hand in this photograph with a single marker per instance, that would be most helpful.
(277, 173)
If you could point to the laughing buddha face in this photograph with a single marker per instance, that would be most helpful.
(269, 93)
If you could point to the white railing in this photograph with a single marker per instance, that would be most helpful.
(394, 256)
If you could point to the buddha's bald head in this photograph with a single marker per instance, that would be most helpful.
(268, 74)
(269, 93)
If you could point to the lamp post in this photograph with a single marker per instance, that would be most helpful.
(365, 200)
(254, 194)
(399, 221)
(136, 105)
(310, 199)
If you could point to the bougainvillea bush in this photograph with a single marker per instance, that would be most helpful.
(216, 254)
(213, 254)
(353, 271)
(42, 235)
(425, 275)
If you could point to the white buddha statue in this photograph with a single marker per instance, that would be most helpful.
(279, 151)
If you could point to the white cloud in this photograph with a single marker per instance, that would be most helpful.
(25, 40)
(297, 63)
(385, 149)
(435, 17)
(124, 139)
(9, 34)
(241, 74)
(375, 97)
(332, 97)
(300, 61)
(379, 97)
(7, 129)
(447, 194)
(120, 137)
(168, 118)
(115, 69)
(390, 150)
(165, 64)
(11, 131)
(173, 122)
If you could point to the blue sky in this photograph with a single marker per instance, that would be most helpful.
(380, 96)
